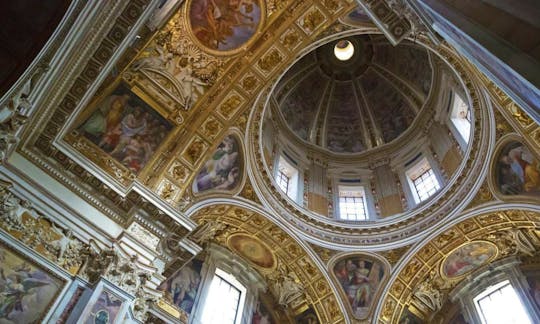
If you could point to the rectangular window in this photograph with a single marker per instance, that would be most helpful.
(283, 181)
(423, 180)
(461, 117)
(426, 185)
(352, 204)
(287, 178)
(500, 304)
(222, 305)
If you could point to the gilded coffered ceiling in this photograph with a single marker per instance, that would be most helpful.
(169, 136)
(422, 283)
(274, 253)
(190, 94)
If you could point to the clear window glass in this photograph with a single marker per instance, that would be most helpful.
(287, 178)
(426, 185)
(283, 181)
(461, 117)
(500, 304)
(423, 180)
(222, 304)
(352, 204)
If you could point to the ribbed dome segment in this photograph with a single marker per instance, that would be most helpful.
(353, 105)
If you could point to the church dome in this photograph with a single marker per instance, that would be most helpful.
(349, 147)
(352, 105)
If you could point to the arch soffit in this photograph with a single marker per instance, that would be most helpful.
(422, 262)
(292, 255)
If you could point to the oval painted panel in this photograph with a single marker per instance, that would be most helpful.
(252, 249)
(468, 257)
(224, 25)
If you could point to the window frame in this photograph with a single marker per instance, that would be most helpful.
(362, 201)
(283, 178)
(292, 172)
(417, 171)
(421, 181)
(491, 291)
(233, 283)
(458, 123)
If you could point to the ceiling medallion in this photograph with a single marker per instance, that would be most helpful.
(467, 258)
(253, 250)
(223, 27)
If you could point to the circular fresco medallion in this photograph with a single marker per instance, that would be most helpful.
(468, 257)
(252, 249)
(224, 26)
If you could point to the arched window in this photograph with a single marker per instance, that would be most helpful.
(496, 294)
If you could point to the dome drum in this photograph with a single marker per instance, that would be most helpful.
(384, 177)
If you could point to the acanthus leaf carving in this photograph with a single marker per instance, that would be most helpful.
(512, 241)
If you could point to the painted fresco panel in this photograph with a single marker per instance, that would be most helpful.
(467, 258)
(360, 278)
(224, 168)
(392, 113)
(224, 25)
(409, 318)
(344, 129)
(261, 315)
(105, 309)
(252, 250)
(307, 317)
(126, 127)
(26, 290)
(181, 288)
(300, 108)
(534, 283)
(408, 62)
(357, 17)
(517, 171)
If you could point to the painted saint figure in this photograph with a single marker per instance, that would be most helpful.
(222, 170)
(125, 127)
(359, 279)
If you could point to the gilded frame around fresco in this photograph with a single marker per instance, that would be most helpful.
(493, 168)
(369, 257)
(97, 155)
(239, 49)
(61, 281)
(457, 278)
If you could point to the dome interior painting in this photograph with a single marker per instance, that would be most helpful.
(284, 162)
(363, 102)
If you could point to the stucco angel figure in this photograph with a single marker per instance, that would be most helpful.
(162, 61)
(190, 86)
(11, 209)
(429, 296)
(63, 242)
(288, 290)
(207, 231)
